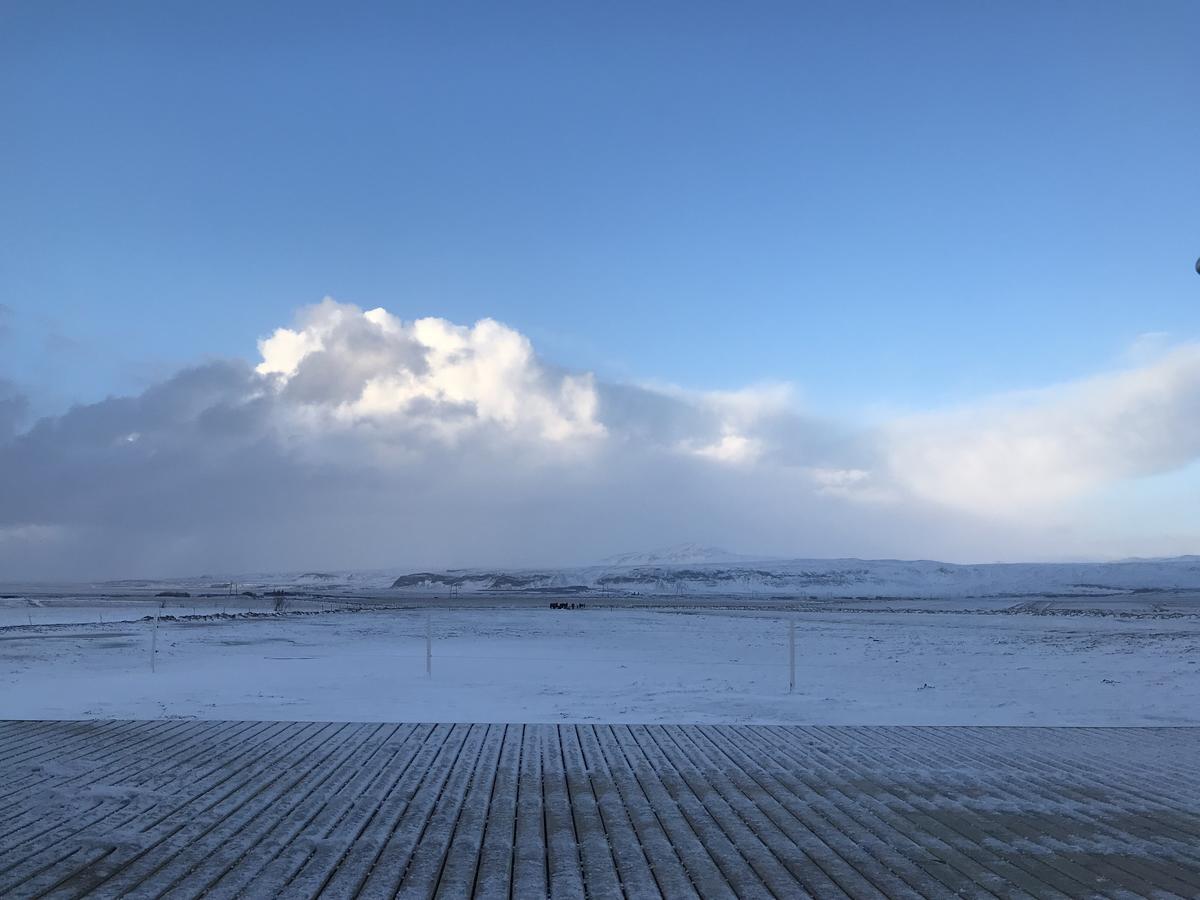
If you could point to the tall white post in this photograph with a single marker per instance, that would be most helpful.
(791, 656)
(428, 646)
(154, 640)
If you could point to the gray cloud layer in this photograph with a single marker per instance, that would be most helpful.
(14, 407)
(362, 440)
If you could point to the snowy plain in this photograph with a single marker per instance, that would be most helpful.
(1107, 661)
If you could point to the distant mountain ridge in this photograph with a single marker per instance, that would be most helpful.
(694, 569)
(847, 578)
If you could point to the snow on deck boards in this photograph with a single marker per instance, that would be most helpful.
(187, 808)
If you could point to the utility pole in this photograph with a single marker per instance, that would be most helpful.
(428, 645)
(154, 638)
(791, 656)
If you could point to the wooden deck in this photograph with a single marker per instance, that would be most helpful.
(186, 808)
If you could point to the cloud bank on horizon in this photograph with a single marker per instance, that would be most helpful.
(360, 439)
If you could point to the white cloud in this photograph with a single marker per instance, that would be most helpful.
(283, 351)
(732, 425)
(427, 373)
(732, 448)
(1036, 451)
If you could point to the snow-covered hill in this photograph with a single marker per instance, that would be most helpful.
(692, 569)
(831, 578)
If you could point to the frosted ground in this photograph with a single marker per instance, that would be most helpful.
(1113, 660)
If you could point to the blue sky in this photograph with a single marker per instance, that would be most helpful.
(942, 226)
(890, 206)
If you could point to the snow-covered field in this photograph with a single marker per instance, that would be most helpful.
(915, 664)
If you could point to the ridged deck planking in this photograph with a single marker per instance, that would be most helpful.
(187, 809)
